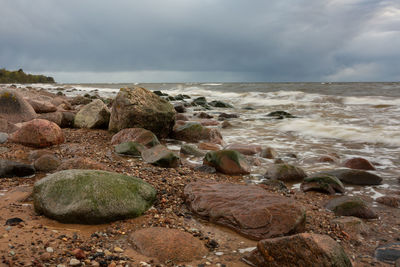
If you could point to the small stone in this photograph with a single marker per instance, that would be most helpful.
(79, 254)
(118, 250)
(49, 249)
(112, 264)
(45, 256)
(61, 265)
(74, 262)
(107, 252)
(12, 253)
(94, 263)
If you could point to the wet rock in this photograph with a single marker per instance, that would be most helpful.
(200, 101)
(324, 183)
(41, 106)
(209, 146)
(181, 117)
(327, 158)
(138, 135)
(279, 115)
(227, 116)
(226, 124)
(6, 126)
(388, 253)
(15, 169)
(94, 115)
(207, 122)
(167, 245)
(14, 108)
(357, 177)
(244, 149)
(353, 226)
(91, 196)
(161, 156)
(350, 206)
(47, 163)
(192, 150)
(204, 115)
(129, 148)
(247, 209)
(180, 108)
(275, 185)
(14, 221)
(194, 132)
(227, 161)
(268, 153)
(321, 250)
(358, 163)
(140, 108)
(159, 93)
(3, 137)
(220, 104)
(38, 133)
(285, 172)
(81, 163)
(391, 201)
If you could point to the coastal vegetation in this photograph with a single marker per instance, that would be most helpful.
(19, 76)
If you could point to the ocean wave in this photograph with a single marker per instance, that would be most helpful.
(371, 100)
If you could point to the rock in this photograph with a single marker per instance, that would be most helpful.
(14, 221)
(247, 209)
(227, 161)
(41, 106)
(15, 169)
(47, 163)
(279, 115)
(226, 124)
(220, 104)
(14, 108)
(192, 150)
(159, 93)
(35, 154)
(324, 183)
(181, 117)
(129, 148)
(167, 245)
(55, 117)
(200, 101)
(140, 108)
(74, 262)
(268, 153)
(94, 115)
(275, 185)
(180, 108)
(208, 122)
(38, 133)
(138, 135)
(3, 137)
(61, 103)
(81, 163)
(209, 146)
(327, 158)
(49, 249)
(227, 116)
(304, 249)
(391, 201)
(79, 254)
(353, 226)
(285, 172)
(357, 177)
(80, 100)
(358, 163)
(91, 196)
(350, 206)
(161, 156)
(68, 119)
(7, 127)
(205, 169)
(194, 132)
(244, 149)
(388, 253)
(204, 115)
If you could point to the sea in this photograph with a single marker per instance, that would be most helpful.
(345, 119)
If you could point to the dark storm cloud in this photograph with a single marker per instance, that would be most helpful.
(242, 40)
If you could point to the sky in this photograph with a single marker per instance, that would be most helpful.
(202, 40)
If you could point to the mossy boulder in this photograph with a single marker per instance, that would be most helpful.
(194, 132)
(160, 156)
(138, 107)
(227, 161)
(351, 206)
(285, 172)
(93, 115)
(91, 196)
(323, 183)
(129, 148)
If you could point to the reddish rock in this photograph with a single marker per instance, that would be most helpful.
(299, 250)
(138, 135)
(359, 164)
(79, 254)
(209, 146)
(181, 117)
(244, 149)
(14, 108)
(61, 103)
(391, 201)
(203, 115)
(170, 245)
(81, 163)
(327, 158)
(38, 133)
(248, 209)
(41, 106)
(226, 124)
(207, 122)
(227, 161)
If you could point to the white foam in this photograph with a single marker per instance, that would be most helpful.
(371, 100)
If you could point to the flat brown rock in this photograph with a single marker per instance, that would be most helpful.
(248, 209)
(167, 244)
(359, 164)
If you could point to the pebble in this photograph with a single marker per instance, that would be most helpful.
(74, 262)
(118, 249)
(49, 249)
(94, 263)
(219, 253)
(61, 265)
(12, 253)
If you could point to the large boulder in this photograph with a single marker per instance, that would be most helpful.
(285, 172)
(248, 209)
(138, 135)
(14, 108)
(227, 161)
(91, 196)
(194, 132)
(359, 164)
(15, 169)
(94, 115)
(160, 156)
(357, 177)
(303, 249)
(138, 107)
(351, 206)
(167, 245)
(38, 133)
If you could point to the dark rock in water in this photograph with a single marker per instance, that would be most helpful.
(275, 185)
(205, 169)
(3, 137)
(359, 164)
(14, 221)
(247, 209)
(268, 153)
(200, 101)
(324, 183)
(204, 115)
(357, 177)
(391, 201)
(279, 115)
(180, 108)
(91, 196)
(220, 104)
(160, 156)
(138, 135)
(285, 172)
(388, 253)
(351, 206)
(14, 108)
(191, 150)
(167, 245)
(227, 116)
(304, 249)
(130, 148)
(47, 163)
(159, 93)
(226, 124)
(15, 169)
(227, 161)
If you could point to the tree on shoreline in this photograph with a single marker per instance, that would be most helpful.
(20, 76)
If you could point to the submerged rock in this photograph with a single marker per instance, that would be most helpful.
(15, 169)
(227, 161)
(351, 206)
(285, 172)
(91, 196)
(357, 177)
(161, 156)
(324, 183)
(268, 153)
